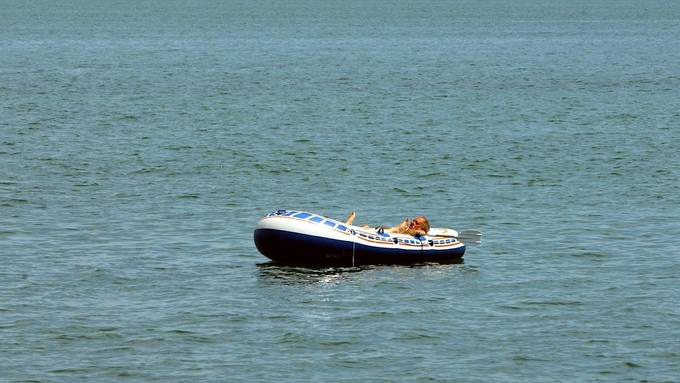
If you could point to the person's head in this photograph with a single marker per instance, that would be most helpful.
(419, 223)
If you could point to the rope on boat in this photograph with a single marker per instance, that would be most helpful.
(354, 244)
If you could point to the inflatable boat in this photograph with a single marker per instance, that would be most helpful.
(303, 238)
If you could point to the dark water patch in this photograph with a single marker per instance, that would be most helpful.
(553, 303)
(190, 336)
(528, 359)
(147, 170)
(336, 343)
(597, 341)
(280, 171)
(89, 336)
(13, 202)
(188, 196)
(178, 147)
(70, 371)
(86, 184)
(512, 307)
(589, 254)
(180, 332)
(128, 118)
(419, 337)
(295, 339)
(113, 350)
(122, 371)
(512, 224)
(433, 175)
(372, 315)
(500, 175)
(122, 281)
(542, 182)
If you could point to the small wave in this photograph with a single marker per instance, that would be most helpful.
(280, 171)
(554, 303)
(419, 336)
(290, 337)
(434, 174)
(336, 343)
(525, 358)
(12, 202)
(188, 196)
(152, 169)
(178, 147)
(69, 371)
(180, 332)
(590, 254)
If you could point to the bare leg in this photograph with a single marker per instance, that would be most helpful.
(350, 218)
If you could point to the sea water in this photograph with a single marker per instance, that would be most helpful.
(140, 143)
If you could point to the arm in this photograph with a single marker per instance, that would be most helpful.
(401, 229)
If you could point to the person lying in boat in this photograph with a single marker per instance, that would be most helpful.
(418, 226)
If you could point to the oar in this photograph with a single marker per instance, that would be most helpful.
(473, 237)
(470, 236)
